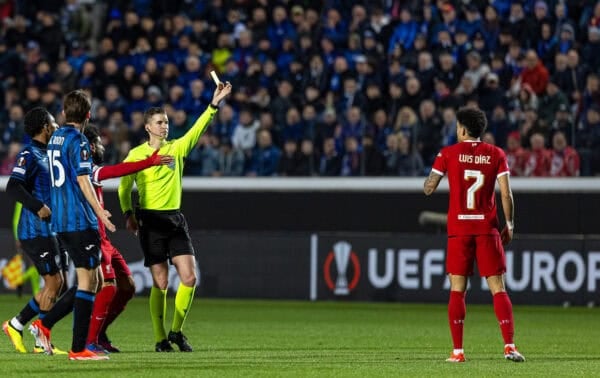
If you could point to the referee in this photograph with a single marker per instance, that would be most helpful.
(163, 230)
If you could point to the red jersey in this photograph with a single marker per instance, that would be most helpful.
(538, 163)
(112, 171)
(564, 163)
(472, 168)
(516, 160)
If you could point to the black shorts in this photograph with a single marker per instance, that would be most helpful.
(83, 247)
(163, 235)
(44, 253)
(64, 258)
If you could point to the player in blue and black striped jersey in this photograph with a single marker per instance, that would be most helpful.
(75, 220)
(29, 184)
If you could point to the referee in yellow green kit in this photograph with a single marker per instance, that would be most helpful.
(163, 230)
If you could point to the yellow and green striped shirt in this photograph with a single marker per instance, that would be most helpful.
(159, 187)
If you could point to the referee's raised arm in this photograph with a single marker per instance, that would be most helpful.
(186, 143)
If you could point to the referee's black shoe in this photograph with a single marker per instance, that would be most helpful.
(181, 341)
(164, 346)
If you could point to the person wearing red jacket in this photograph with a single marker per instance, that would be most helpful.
(117, 287)
(565, 159)
(516, 155)
(538, 161)
(534, 73)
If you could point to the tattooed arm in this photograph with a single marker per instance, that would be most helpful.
(431, 183)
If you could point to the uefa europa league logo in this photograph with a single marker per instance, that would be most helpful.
(341, 251)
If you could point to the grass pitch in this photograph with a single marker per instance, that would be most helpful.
(282, 338)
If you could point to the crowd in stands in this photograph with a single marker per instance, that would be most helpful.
(321, 88)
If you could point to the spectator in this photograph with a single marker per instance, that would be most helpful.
(491, 93)
(591, 94)
(202, 160)
(489, 138)
(547, 44)
(354, 125)
(564, 160)
(49, 36)
(12, 131)
(351, 160)
(588, 141)
(265, 158)
(350, 97)
(282, 103)
(563, 121)
(391, 155)
(409, 162)
(280, 28)
(307, 161)
(288, 163)
(448, 129)
(516, 155)
(380, 128)
(330, 163)
(335, 27)
(19, 33)
(539, 159)
(534, 73)
(566, 40)
(405, 32)
(180, 124)
(500, 125)
(413, 94)
(8, 162)
(577, 72)
(425, 71)
(372, 160)
(552, 100)
(309, 121)
(520, 24)
(407, 123)
(591, 50)
(429, 138)
(230, 160)
(244, 134)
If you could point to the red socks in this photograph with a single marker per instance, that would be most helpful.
(504, 314)
(100, 311)
(117, 306)
(456, 317)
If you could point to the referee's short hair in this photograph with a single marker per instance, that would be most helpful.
(152, 111)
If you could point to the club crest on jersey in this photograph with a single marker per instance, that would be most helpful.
(21, 161)
(85, 154)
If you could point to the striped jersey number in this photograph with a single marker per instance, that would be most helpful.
(59, 178)
(478, 176)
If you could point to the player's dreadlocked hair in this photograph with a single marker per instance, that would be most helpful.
(35, 120)
(473, 120)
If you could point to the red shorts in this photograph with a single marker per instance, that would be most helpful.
(487, 250)
(113, 264)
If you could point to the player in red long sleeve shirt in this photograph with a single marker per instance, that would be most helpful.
(118, 286)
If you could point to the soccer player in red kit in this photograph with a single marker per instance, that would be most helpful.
(473, 167)
(118, 286)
